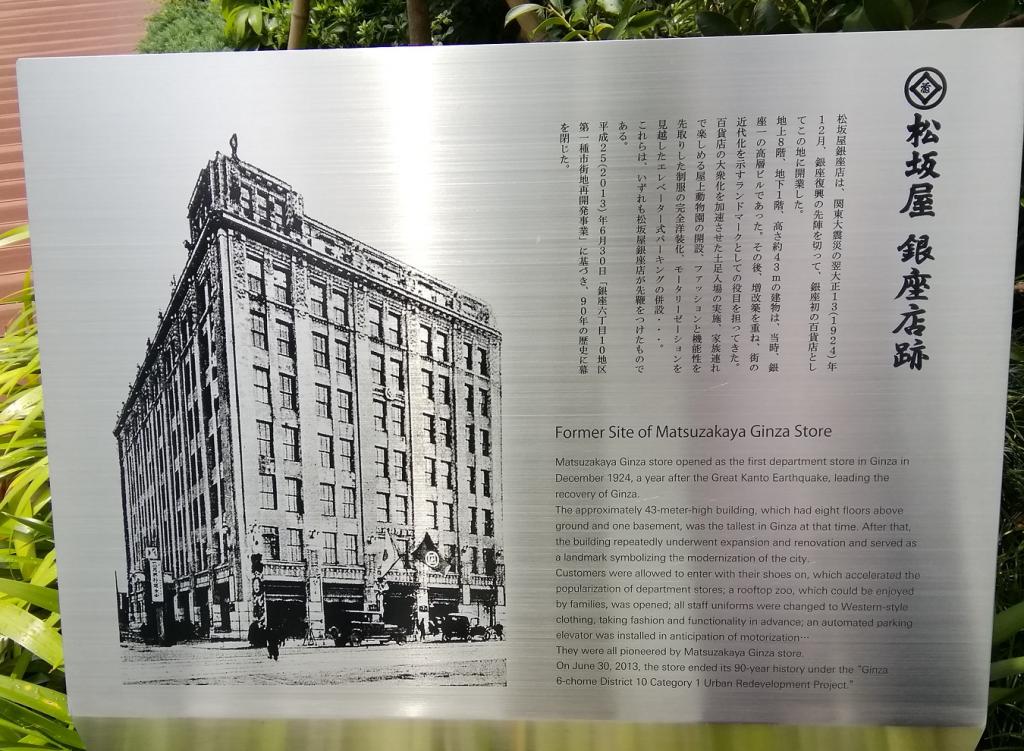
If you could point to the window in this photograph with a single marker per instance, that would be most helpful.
(474, 561)
(488, 522)
(428, 385)
(268, 492)
(287, 389)
(469, 399)
(384, 508)
(254, 272)
(426, 341)
(489, 561)
(432, 506)
(285, 339)
(377, 368)
(264, 439)
(451, 555)
(485, 440)
(401, 509)
(321, 358)
(449, 475)
(397, 420)
(323, 400)
(446, 431)
(472, 520)
(330, 541)
(327, 507)
(441, 346)
(271, 544)
(346, 450)
(485, 402)
(429, 428)
(342, 357)
(348, 502)
(318, 299)
(471, 438)
(282, 286)
(348, 553)
(471, 475)
(381, 461)
(444, 383)
(380, 415)
(376, 322)
(294, 545)
(258, 326)
(430, 471)
(344, 406)
(469, 355)
(395, 329)
(396, 375)
(291, 444)
(326, 450)
(341, 309)
(399, 467)
(481, 361)
(487, 482)
(261, 380)
(293, 495)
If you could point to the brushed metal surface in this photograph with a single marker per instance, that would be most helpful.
(448, 159)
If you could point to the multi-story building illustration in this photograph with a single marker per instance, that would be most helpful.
(314, 430)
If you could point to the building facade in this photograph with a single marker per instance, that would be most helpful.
(314, 431)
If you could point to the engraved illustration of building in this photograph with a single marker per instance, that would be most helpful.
(314, 430)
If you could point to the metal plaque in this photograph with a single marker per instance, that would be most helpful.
(657, 381)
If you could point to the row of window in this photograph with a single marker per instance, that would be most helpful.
(288, 399)
(293, 499)
(394, 465)
(385, 325)
(293, 550)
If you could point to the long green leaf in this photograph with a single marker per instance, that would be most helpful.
(14, 235)
(32, 633)
(1007, 623)
(42, 597)
(34, 722)
(44, 700)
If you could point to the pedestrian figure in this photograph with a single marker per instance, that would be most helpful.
(499, 631)
(422, 628)
(273, 643)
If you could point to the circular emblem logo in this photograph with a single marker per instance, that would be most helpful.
(925, 88)
(431, 558)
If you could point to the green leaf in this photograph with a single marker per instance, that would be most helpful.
(987, 13)
(42, 597)
(521, 10)
(32, 633)
(14, 235)
(610, 6)
(858, 21)
(33, 722)
(889, 15)
(766, 16)
(549, 23)
(644, 20)
(45, 700)
(1007, 623)
(1006, 668)
(715, 24)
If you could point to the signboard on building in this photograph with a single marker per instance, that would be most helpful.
(667, 388)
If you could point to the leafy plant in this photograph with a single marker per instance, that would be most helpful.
(33, 706)
(185, 26)
(591, 20)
